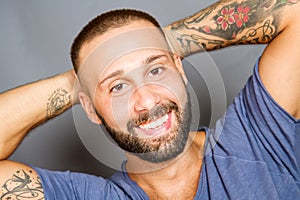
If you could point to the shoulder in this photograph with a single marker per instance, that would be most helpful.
(279, 67)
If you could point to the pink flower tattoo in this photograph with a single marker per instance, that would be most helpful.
(226, 18)
(241, 16)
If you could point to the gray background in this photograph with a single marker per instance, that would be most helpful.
(35, 39)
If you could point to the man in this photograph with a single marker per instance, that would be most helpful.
(139, 94)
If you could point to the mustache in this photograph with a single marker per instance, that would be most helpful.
(155, 113)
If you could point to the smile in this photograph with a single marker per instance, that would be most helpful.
(157, 126)
(156, 123)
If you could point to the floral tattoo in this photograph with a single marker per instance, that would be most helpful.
(237, 16)
(230, 22)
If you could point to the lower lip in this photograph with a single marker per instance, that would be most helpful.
(159, 130)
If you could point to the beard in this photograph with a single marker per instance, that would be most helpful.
(163, 148)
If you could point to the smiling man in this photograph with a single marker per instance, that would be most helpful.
(147, 110)
(135, 85)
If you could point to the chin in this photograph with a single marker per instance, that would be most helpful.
(167, 141)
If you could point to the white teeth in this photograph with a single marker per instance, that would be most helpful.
(155, 123)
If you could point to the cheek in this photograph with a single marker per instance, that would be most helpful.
(174, 88)
(114, 110)
(120, 114)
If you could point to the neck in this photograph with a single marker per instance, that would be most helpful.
(180, 174)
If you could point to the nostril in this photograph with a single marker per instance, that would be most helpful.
(145, 98)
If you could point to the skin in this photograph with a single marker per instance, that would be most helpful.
(273, 22)
(141, 94)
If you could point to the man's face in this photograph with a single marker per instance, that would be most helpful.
(142, 100)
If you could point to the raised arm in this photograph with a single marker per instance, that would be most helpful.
(22, 109)
(25, 107)
(235, 22)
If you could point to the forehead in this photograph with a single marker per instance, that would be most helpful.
(115, 35)
(124, 45)
(137, 59)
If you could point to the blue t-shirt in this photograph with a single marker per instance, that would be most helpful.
(252, 153)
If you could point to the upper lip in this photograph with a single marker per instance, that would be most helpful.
(152, 118)
(156, 123)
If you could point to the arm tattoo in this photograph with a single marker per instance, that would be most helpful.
(230, 22)
(22, 185)
(58, 101)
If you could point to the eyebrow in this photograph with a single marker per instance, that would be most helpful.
(112, 75)
(121, 72)
(153, 58)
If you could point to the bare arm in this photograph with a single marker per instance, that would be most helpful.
(235, 22)
(25, 107)
(22, 109)
(232, 22)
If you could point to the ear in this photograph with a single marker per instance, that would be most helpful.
(179, 66)
(88, 107)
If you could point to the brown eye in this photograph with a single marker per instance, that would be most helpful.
(118, 88)
(156, 71)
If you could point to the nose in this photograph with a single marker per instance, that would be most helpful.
(144, 98)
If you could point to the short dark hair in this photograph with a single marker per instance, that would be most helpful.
(103, 23)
